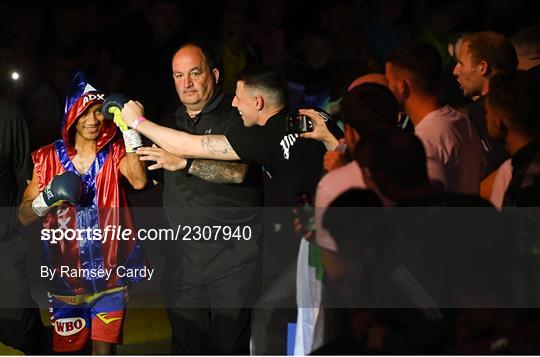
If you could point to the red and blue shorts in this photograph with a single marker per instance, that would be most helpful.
(79, 318)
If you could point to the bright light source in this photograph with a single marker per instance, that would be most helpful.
(15, 76)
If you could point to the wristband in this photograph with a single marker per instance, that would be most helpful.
(137, 121)
(132, 140)
(39, 206)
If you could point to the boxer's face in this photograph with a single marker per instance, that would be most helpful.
(195, 83)
(90, 123)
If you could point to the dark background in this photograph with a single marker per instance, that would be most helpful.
(127, 45)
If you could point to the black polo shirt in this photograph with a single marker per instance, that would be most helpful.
(190, 200)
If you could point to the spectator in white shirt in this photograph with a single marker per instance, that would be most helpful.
(452, 145)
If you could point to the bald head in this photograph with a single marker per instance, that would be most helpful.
(195, 77)
(376, 78)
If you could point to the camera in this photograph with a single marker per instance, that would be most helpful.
(298, 123)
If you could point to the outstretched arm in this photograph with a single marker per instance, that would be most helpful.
(177, 142)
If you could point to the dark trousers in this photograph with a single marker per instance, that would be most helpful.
(208, 291)
(23, 330)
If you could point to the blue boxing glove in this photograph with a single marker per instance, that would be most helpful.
(66, 187)
(112, 110)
